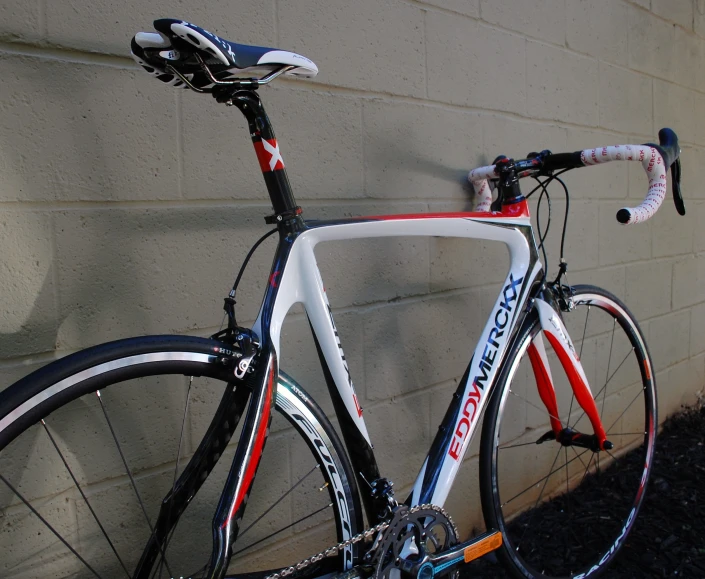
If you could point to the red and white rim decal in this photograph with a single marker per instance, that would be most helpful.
(268, 155)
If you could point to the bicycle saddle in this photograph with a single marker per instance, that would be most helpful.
(183, 47)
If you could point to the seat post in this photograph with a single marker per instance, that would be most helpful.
(267, 149)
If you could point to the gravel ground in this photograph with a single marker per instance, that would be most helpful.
(668, 539)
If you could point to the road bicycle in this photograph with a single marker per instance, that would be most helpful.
(94, 484)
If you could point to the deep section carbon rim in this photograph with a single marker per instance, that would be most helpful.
(565, 511)
(92, 444)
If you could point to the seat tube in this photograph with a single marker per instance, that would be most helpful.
(268, 153)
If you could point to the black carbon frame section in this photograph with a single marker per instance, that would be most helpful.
(441, 443)
(359, 450)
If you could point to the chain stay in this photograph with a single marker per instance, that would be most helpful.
(335, 549)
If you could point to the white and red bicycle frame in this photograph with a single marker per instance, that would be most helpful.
(295, 278)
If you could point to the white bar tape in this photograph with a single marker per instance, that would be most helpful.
(483, 195)
(655, 169)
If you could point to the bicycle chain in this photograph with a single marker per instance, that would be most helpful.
(335, 549)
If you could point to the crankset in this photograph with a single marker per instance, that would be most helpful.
(422, 543)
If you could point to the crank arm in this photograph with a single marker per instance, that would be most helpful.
(459, 554)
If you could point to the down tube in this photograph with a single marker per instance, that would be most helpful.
(441, 465)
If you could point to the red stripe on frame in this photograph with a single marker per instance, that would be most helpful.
(520, 209)
(256, 451)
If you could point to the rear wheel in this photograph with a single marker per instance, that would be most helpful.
(92, 444)
(564, 511)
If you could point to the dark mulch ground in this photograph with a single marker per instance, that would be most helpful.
(668, 539)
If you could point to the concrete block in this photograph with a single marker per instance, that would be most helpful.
(463, 58)
(674, 106)
(321, 145)
(114, 127)
(365, 45)
(29, 318)
(697, 329)
(467, 7)
(672, 234)
(545, 20)
(649, 288)
(651, 44)
(517, 137)
(401, 434)
(625, 100)
(108, 27)
(607, 181)
(554, 92)
(680, 12)
(371, 270)
(611, 278)
(620, 244)
(690, 50)
(581, 240)
(300, 359)
(416, 151)
(699, 19)
(29, 549)
(458, 263)
(15, 370)
(668, 339)
(136, 271)
(689, 281)
(691, 186)
(598, 28)
(32, 465)
(684, 382)
(425, 342)
(21, 21)
(699, 233)
(617, 368)
(463, 503)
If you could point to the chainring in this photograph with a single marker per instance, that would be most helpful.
(412, 536)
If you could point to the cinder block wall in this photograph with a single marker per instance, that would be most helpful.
(126, 206)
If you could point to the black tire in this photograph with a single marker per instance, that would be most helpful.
(160, 393)
(566, 511)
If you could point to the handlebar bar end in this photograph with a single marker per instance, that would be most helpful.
(623, 216)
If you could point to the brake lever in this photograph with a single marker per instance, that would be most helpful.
(676, 186)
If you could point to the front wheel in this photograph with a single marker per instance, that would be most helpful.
(112, 461)
(565, 511)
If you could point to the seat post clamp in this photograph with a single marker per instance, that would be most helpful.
(283, 216)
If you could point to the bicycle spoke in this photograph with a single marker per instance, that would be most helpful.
(605, 386)
(623, 411)
(85, 499)
(328, 506)
(532, 485)
(538, 500)
(176, 471)
(580, 356)
(587, 468)
(280, 499)
(609, 361)
(48, 526)
(132, 479)
(516, 445)
(626, 433)
(544, 409)
(577, 455)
